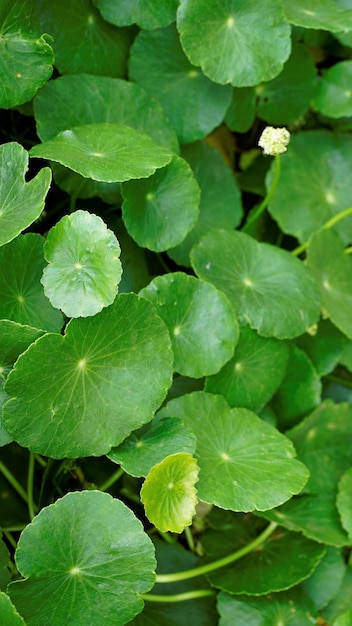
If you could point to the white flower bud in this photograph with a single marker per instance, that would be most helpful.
(274, 140)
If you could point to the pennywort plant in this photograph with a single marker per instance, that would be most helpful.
(175, 313)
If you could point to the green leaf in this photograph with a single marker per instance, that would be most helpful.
(26, 57)
(342, 600)
(9, 615)
(84, 268)
(21, 202)
(325, 582)
(344, 501)
(241, 113)
(4, 570)
(133, 259)
(334, 97)
(139, 453)
(100, 567)
(283, 561)
(313, 185)
(87, 390)
(71, 101)
(315, 516)
(160, 210)
(200, 320)
(105, 152)
(323, 444)
(332, 269)
(145, 13)
(235, 449)
(83, 41)
(320, 14)
(253, 374)
(220, 200)
(194, 104)
(300, 390)
(168, 492)
(325, 348)
(22, 295)
(268, 288)
(239, 43)
(291, 608)
(344, 620)
(288, 96)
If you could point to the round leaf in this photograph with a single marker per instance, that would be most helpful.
(84, 267)
(268, 288)
(326, 435)
(21, 202)
(22, 295)
(168, 492)
(288, 96)
(26, 57)
(344, 501)
(83, 41)
(235, 447)
(332, 269)
(160, 210)
(86, 391)
(291, 608)
(138, 454)
(94, 560)
(9, 615)
(242, 43)
(300, 390)
(201, 322)
(283, 561)
(241, 113)
(146, 13)
(319, 14)
(314, 184)
(334, 97)
(220, 200)
(326, 348)
(253, 374)
(71, 101)
(105, 152)
(326, 580)
(194, 104)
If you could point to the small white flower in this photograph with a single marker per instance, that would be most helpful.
(274, 140)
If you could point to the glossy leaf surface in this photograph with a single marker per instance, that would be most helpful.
(146, 14)
(101, 566)
(82, 388)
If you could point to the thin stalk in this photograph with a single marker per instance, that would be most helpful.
(189, 538)
(211, 567)
(40, 460)
(111, 480)
(178, 597)
(339, 381)
(17, 528)
(13, 482)
(30, 480)
(329, 224)
(10, 538)
(262, 206)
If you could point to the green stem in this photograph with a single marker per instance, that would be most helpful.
(348, 250)
(226, 560)
(10, 538)
(112, 479)
(189, 537)
(339, 381)
(262, 206)
(13, 482)
(178, 597)
(17, 528)
(30, 480)
(40, 460)
(329, 224)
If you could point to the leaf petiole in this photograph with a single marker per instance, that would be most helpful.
(262, 206)
(329, 224)
(178, 597)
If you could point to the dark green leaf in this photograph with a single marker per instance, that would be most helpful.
(146, 13)
(344, 501)
(200, 320)
(325, 582)
(321, 14)
(9, 615)
(88, 390)
(268, 288)
(253, 374)
(159, 211)
(325, 348)
(194, 104)
(100, 567)
(342, 601)
(334, 96)
(4, 571)
(241, 113)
